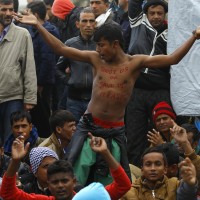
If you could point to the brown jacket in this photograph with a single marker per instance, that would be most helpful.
(53, 143)
(165, 190)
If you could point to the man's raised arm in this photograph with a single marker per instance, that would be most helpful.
(121, 183)
(172, 59)
(53, 42)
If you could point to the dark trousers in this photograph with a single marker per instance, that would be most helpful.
(41, 112)
(138, 120)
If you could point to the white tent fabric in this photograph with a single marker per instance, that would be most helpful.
(183, 18)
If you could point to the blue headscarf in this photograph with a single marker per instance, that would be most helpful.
(94, 191)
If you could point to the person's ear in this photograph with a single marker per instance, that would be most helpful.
(116, 43)
(165, 169)
(2, 151)
(58, 129)
(78, 24)
(37, 16)
(195, 144)
(74, 181)
(31, 126)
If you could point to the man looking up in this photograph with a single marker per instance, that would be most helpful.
(18, 87)
(114, 76)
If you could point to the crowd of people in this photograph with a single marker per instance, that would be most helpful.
(85, 110)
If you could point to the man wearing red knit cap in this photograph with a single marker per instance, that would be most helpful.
(162, 116)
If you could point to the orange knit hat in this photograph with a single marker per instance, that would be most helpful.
(61, 8)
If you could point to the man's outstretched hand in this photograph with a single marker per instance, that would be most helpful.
(197, 33)
(188, 171)
(26, 18)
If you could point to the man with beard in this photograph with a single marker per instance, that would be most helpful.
(17, 66)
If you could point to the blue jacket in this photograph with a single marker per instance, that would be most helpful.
(45, 58)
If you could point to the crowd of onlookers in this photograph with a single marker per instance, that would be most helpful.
(61, 135)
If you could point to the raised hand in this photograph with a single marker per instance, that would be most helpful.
(97, 144)
(179, 134)
(26, 18)
(188, 171)
(18, 149)
(154, 137)
(197, 33)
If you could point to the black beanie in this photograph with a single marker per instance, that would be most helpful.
(149, 3)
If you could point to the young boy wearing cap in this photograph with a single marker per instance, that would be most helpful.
(162, 116)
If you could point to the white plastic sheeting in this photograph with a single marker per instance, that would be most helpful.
(184, 17)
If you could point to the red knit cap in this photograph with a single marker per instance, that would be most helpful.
(162, 108)
(61, 8)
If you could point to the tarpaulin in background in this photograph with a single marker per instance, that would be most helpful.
(184, 17)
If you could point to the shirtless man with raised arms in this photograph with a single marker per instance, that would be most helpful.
(114, 75)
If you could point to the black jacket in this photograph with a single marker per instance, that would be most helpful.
(81, 78)
(149, 41)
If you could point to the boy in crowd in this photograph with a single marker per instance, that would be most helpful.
(21, 125)
(63, 125)
(155, 185)
(60, 176)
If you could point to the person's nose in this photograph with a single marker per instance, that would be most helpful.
(93, 5)
(152, 167)
(8, 12)
(74, 128)
(156, 15)
(20, 130)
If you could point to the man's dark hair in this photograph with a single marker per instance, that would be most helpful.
(38, 7)
(20, 115)
(59, 118)
(192, 128)
(149, 3)
(110, 32)
(49, 2)
(171, 152)
(154, 150)
(84, 10)
(6, 2)
(60, 166)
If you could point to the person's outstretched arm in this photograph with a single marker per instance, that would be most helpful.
(53, 42)
(121, 183)
(159, 61)
(180, 136)
(188, 186)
